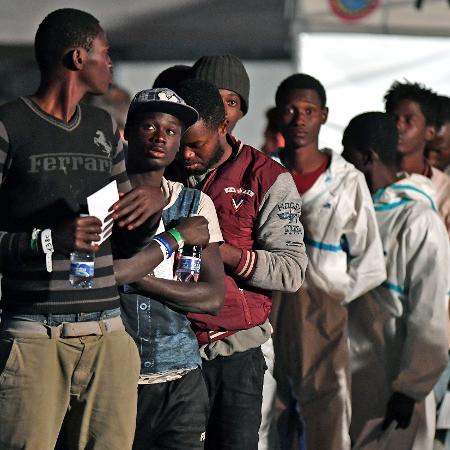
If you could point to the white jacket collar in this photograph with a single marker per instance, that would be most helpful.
(331, 179)
(408, 187)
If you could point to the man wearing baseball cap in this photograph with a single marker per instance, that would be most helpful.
(172, 396)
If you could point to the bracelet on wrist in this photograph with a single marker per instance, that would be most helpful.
(177, 236)
(47, 246)
(34, 242)
(164, 246)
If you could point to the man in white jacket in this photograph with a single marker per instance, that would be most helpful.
(439, 147)
(418, 120)
(345, 261)
(398, 331)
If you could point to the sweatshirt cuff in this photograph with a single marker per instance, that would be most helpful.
(247, 264)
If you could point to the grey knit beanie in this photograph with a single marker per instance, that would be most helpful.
(225, 72)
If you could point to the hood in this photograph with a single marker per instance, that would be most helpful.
(407, 188)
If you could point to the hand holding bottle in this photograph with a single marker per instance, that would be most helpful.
(194, 230)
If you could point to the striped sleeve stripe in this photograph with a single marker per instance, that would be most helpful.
(119, 173)
(76, 302)
(55, 285)
(4, 244)
(118, 169)
(217, 335)
(40, 272)
(4, 147)
(24, 304)
(243, 263)
(120, 154)
(123, 183)
(4, 138)
(10, 246)
(3, 155)
(247, 264)
(60, 263)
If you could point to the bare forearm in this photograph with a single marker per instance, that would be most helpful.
(133, 269)
(230, 255)
(127, 243)
(198, 297)
(15, 248)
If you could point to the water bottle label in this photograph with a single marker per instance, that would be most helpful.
(189, 264)
(83, 269)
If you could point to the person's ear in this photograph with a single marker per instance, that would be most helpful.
(430, 133)
(73, 59)
(223, 127)
(324, 115)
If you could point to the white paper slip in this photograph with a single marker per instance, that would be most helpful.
(99, 205)
(443, 421)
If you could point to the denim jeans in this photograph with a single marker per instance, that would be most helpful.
(172, 415)
(235, 385)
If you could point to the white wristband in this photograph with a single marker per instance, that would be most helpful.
(163, 248)
(47, 246)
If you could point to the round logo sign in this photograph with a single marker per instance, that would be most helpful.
(353, 9)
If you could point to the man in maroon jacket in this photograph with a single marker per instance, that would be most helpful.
(258, 208)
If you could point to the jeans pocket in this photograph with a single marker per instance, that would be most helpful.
(9, 361)
(255, 368)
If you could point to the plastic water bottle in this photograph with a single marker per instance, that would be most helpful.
(82, 269)
(188, 265)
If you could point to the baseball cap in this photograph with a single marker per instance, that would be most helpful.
(163, 100)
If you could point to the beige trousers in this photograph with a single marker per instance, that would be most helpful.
(313, 365)
(91, 378)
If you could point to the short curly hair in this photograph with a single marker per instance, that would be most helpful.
(418, 93)
(60, 30)
(206, 99)
(301, 81)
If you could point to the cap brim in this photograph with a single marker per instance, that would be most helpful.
(185, 113)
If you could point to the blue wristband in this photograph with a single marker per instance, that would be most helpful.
(166, 245)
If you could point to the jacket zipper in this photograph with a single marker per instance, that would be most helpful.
(247, 315)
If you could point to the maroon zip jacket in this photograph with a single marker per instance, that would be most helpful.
(258, 208)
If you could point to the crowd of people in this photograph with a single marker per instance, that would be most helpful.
(319, 319)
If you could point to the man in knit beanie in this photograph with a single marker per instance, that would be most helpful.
(228, 74)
